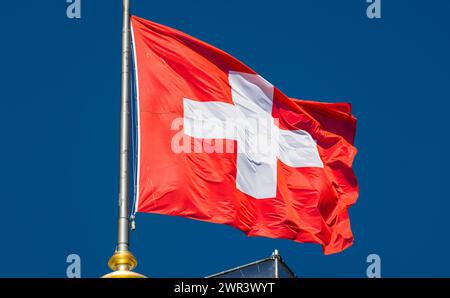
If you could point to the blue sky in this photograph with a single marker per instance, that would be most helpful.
(60, 121)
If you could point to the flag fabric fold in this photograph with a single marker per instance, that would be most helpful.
(219, 143)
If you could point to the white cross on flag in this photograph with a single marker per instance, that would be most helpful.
(252, 124)
(217, 142)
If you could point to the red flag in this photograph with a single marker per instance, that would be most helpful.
(218, 143)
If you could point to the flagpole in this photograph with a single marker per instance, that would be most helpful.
(124, 176)
(123, 261)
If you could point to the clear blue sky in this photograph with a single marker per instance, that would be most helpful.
(60, 89)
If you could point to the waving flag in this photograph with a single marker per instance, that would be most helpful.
(219, 143)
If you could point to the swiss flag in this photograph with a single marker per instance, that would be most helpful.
(219, 143)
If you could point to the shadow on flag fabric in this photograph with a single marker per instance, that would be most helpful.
(217, 142)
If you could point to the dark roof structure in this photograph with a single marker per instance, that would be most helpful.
(271, 267)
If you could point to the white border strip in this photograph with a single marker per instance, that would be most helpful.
(138, 128)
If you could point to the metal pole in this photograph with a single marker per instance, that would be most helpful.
(276, 258)
(124, 174)
(123, 261)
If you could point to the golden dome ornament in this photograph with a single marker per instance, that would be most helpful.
(122, 263)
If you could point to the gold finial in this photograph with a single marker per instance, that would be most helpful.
(122, 262)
